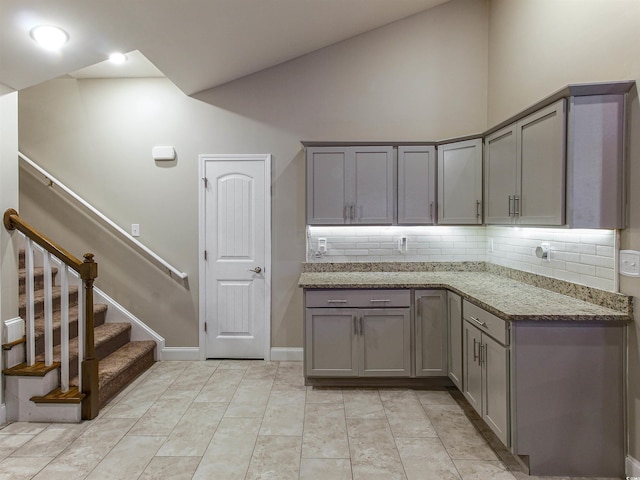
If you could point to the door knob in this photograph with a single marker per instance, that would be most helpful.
(256, 270)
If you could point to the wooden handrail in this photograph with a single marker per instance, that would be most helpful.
(88, 271)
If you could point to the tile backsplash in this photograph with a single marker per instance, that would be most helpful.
(380, 244)
(585, 257)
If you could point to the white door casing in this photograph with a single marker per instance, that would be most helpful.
(235, 264)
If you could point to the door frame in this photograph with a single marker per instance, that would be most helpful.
(202, 159)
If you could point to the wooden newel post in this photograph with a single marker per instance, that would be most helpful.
(90, 404)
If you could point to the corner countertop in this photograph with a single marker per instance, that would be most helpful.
(506, 298)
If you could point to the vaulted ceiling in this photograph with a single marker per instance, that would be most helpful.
(198, 44)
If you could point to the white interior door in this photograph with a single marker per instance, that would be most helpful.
(236, 238)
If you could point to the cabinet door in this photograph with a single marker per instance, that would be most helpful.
(431, 333)
(460, 182)
(326, 194)
(370, 175)
(385, 342)
(541, 159)
(472, 380)
(331, 343)
(454, 315)
(416, 185)
(500, 175)
(495, 361)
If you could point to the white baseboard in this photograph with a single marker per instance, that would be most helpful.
(286, 354)
(181, 353)
(632, 467)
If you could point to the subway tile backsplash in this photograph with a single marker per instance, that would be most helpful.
(585, 257)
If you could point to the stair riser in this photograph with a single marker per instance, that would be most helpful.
(98, 319)
(38, 282)
(39, 305)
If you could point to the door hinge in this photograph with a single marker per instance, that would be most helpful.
(205, 255)
(206, 181)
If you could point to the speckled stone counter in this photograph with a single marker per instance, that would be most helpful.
(507, 298)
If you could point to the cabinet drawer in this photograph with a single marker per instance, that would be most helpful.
(358, 298)
(485, 321)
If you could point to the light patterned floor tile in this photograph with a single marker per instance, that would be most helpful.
(128, 458)
(21, 468)
(275, 457)
(174, 468)
(325, 468)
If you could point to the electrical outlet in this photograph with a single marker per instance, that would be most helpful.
(135, 229)
(630, 263)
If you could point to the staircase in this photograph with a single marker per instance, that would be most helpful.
(120, 359)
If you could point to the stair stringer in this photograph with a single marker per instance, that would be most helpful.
(139, 330)
(117, 313)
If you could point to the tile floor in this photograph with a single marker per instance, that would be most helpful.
(229, 419)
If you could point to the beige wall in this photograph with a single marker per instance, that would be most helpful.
(422, 78)
(8, 199)
(537, 47)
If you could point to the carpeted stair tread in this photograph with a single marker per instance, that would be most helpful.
(99, 314)
(39, 300)
(107, 339)
(38, 278)
(119, 369)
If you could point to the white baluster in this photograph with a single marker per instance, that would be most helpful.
(81, 323)
(64, 329)
(48, 310)
(30, 311)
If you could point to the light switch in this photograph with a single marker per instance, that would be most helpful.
(135, 229)
(630, 263)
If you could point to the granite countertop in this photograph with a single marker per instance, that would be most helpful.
(506, 298)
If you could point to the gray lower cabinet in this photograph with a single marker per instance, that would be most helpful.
(360, 333)
(431, 333)
(486, 368)
(454, 337)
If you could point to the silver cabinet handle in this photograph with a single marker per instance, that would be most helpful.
(509, 205)
(478, 208)
(352, 211)
(516, 210)
(479, 322)
(431, 212)
(482, 352)
(380, 301)
(475, 354)
(361, 325)
(337, 301)
(344, 213)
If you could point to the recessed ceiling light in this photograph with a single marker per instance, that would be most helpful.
(49, 37)
(117, 58)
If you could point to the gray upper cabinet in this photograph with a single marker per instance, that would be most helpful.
(416, 185)
(350, 185)
(595, 167)
(326, 186)
(541, 159)
(431, 333)
(525, 170)
(500, 176)
(460, 182)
